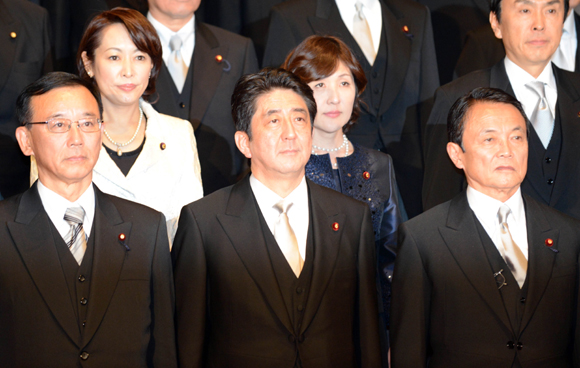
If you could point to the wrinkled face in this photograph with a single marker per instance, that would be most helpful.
(334, 97)
(164, 10)
(120, 69)
(530, 30)
(281, 136)
(496, 148)
(62, 157)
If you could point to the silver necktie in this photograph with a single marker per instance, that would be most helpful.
(286, 238)
(176, 65)
(513, 255)
(362, 34)
(542, 118)
(76, 238)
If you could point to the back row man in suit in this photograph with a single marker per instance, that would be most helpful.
(276, 271)
(531, 32)
(393, 41)
(201, 65)
(85, 276)
(490, 278)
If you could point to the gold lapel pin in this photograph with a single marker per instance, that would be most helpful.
(13, 34)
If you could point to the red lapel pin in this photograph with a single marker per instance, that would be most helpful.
(366, 175)
(335, 226)
(122, 238)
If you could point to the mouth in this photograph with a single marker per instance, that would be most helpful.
(505, 168)
(332, 114)
(538, 43)
(127, 87)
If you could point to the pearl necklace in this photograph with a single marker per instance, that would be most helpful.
(344, 144)
(119, 145)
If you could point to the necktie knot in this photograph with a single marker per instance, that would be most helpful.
(540, 89)
(74, 215)
(175, 43)
(283, 206)
(542, 119)
(359, 7)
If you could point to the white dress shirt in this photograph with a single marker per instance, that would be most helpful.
(528, 98)
(298, 213)
(568, 45)
(186, 33)
(486, 209)
(55, 206)
(373, 13)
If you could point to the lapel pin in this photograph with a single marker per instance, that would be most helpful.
(579, 114)
(335, 226)
(366, 175)
(13, 34)
(221, 59)
(163, 146)
(549, 243)
(122, 238)
(407, 32)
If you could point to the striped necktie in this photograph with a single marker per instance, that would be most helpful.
(76, 238)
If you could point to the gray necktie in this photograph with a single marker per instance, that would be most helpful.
(362, 34)
(542, 118)
(175, 64)
(76, 238)
(513, 255)
(286, 238)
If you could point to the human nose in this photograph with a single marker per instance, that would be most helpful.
(75, 137)
(505, 149)
(539, 21)
(127, 68)
(333, 96)
(289, 130)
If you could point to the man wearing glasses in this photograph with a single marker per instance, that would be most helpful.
(85, 276)
(490, 278)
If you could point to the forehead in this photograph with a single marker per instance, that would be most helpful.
(532, 2)
(491, 116)
(64, 101)
(279, 100)
(114, 34)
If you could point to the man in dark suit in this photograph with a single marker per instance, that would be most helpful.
(554, 157)
(490, 278)
(212, 61)
(85, 276)
(402, 76)
(275, 271)
(482, 49)
(25, 56)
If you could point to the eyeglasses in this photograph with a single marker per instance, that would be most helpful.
(87, 125)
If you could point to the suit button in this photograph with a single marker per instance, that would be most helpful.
(510, 344)
(300, 307)
(84, 323)
(550, 181)
(82, 278)
(548, 160)
(84, 355)
(299, 290)
(291, 339)
(182, 105)
(522, 300)
(519, 345)
(375, 74)
(84, 301)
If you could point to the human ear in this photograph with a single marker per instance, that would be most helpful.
(455, 153)
(243, 143)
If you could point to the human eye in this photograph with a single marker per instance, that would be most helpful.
(87, 123)
(319, 85)
(141, 57)
(58, 125)
(345, 83)
(113, 57)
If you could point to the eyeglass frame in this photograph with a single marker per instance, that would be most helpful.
(99, 122)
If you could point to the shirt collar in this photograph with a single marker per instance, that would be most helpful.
(165, 34)
(267, 198)
(569, 25)
(486, 207)
(518, 77)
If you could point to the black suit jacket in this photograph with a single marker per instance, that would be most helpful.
(482, 50)
(230, 311)
(130, 310)
(443, 180)
(411, 78)
(25, 56)
(447, 310)
(210, 109)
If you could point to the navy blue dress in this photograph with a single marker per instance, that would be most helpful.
(368, 176)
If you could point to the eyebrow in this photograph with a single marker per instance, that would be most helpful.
(60, 115)
(277, 111)
(529, 2)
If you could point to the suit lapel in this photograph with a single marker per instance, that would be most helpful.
(241, 224)
(207, 70)
(461, 237)
(568, 107)
(33, 238)
(165, 87)
(7, 26)
(540, 257)
(499, 78)
(109, 255)
(398, 55)
(326, 247)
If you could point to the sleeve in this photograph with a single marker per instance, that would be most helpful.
(280, 40)
(442, 180)
(190, 276)
(368, 324)
(481, 50)
(163, 298)
(410, 305)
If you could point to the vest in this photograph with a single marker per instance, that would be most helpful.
(183, 99)
(294, 290)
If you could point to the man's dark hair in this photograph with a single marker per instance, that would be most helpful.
(495, 7)
(460, 110)
(46, 84)
(251, 86)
